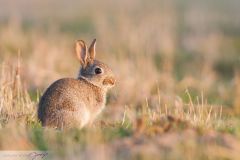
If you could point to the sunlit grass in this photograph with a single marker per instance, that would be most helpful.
(191, 120)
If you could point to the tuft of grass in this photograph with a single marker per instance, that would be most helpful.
(15, 102)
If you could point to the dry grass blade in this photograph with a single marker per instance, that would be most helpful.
(15, 101)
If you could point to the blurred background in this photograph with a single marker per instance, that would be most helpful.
(156, 48)
(177, 64)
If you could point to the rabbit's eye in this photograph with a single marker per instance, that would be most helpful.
(98, 70)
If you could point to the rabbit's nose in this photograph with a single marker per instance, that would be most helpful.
(109, 81)
(113, 80)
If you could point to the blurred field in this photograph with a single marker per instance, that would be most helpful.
(178, 77)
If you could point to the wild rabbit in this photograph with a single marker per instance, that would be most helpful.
(72, 102)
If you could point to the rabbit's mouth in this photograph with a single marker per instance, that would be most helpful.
(109, 81)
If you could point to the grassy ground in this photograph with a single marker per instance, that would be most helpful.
(178, 79)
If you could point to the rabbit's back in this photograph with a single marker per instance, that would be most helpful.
(69, 102)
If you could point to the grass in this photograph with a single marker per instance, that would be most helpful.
(140, 133)
(15, 100)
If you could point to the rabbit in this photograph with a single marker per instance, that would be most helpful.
(70, 102)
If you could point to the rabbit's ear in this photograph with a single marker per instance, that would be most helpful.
(92, 51)
(81, 52)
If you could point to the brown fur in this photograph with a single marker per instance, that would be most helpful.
(72, 102)
(56, 97)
